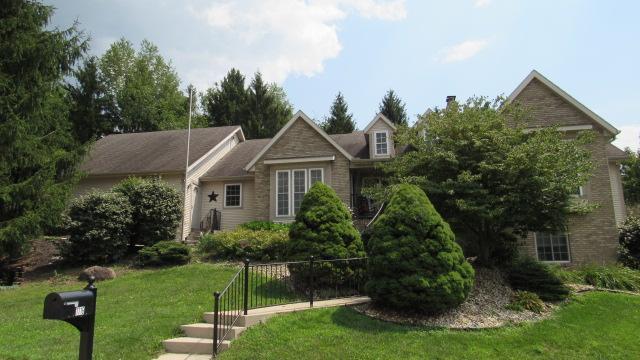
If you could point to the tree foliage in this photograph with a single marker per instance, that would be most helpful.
(631, 177)
(487, 176)
(261, 108)
(629, 251)
(340, 121)
(394, 108)
(38, 154)
(142, 88)
(415, 263)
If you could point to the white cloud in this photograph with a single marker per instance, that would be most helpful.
(629, 137)
(463, 51)
(481, 3)
(278, 37)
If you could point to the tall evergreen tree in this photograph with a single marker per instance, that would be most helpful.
(631, 177)
(340, 121)
(38, 154)
(261, 109)
(226, 103)
(90, 115)
(393, 108)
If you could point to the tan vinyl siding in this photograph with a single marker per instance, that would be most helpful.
(616, 192)
(193, 195)
(231, 217)
(106, 183)
(380, 125)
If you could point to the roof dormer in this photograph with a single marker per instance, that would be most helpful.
(380, 132)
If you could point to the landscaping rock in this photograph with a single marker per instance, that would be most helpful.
(98, 272)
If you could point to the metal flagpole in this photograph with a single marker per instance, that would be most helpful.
(186, 167)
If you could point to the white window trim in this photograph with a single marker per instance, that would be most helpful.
(535, 238)
(225, 196)
(306, 188)
(375, 142)
(289, 194)
(321, 176)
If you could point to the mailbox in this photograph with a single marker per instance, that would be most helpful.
(78, 308)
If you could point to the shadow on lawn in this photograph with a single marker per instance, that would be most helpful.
(349, 318)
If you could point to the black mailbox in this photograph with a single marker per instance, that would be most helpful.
(78, 308)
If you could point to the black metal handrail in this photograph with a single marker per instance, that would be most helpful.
(261, 285)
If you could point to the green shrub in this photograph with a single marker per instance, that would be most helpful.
(629, 251)
(265, 225)
(156, 209)
(164, 253)
(414, 262)
(611, 277)
(99, 228)
(530, 275)
(323, 229)
(525, 300)
(240, 244)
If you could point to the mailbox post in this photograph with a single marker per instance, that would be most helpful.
(78, 308)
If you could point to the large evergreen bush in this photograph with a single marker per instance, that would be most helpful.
(415, 263)
(156, 209)
(629, 252)
(527, 274)
(323, 229)
(99, 229)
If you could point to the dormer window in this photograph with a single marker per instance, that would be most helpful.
(382, 143)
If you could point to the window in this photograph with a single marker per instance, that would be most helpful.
(381, 143)
(282, 190)
(552, 247)
(299, 188)
(315, 175)
(233, 195)
(579, 192)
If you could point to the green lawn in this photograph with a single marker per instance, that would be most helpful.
(594, 326)
(135, 312)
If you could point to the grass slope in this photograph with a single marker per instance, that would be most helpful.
(135, 312)
(596, 325)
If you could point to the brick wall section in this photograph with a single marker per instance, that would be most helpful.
(592, 237)
(300, 141)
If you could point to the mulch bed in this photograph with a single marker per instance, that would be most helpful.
(484, 308)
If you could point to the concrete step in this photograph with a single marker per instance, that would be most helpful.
(242, 321)
(191, 345)
(173, 356)
(205, 331)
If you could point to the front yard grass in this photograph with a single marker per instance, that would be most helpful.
(596, 325)
(135, 312)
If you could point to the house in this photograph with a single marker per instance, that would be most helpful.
(231, 180)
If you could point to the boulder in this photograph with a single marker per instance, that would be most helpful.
(98, 272)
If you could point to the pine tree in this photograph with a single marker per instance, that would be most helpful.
(340, 121)
(226, 103)
(393, 108)
(38, 154)
(267, 107)
(89, 113)
(415, 263)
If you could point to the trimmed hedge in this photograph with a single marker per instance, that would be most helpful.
(240, 244)
(265, 225)
(164, 253)
(527, 274)
(629, 251)
(156, 209)
(415, 263)
(323, 229)
(99, 229)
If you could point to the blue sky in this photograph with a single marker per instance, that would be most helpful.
(424, 50)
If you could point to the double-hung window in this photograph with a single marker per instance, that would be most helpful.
(381, 142)
(299, 188)
(552, 246)
(291, 186)
(282, 193)
(233, 195)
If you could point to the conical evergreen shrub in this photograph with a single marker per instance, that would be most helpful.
(415, 263)
(323, 229)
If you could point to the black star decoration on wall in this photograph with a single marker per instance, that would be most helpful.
(213, 196)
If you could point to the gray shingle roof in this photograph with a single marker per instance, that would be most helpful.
(233, 163)
(613, 152)
(151, 152)
(355, 143)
